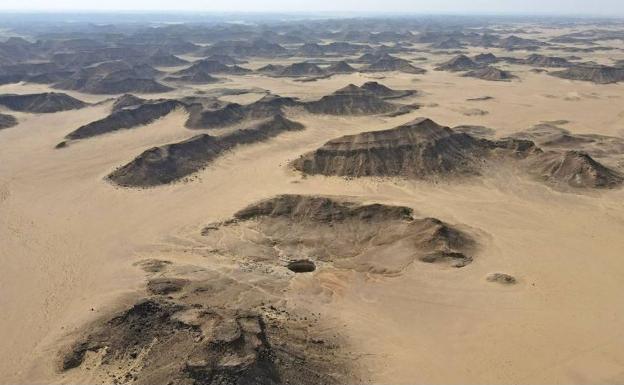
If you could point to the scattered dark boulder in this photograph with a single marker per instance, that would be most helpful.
(7, 121)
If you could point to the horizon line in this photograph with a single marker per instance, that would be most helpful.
(341, 13)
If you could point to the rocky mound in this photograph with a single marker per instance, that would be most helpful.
(547, 135)
(352, 100)
(546, 61)
(384, 92)
(575, 169)
(271, 69)
(490, 73)
(165, 164)
(372, 238)
(127, 100)
(211, 67)
(302, 69)
(126, 118)
(224, 59)
(7, 121)
(162, 59)
(341, 67)
(246, 48)
(419, 149)
(209, 330)
(485, 58)
(234, 113)
(115, 77)
(388, 63)
(514, 42)
(592, 73)
(199, 77)
(447, 44)
(458, 63)
(41, 103)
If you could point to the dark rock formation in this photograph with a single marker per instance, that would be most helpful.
(374, 238)
(165, 164)
(490, 73)
(458, 63)
(575, 169)
(419, 149)
(235, 113)
(352, 100)
(126, 118)
(592, 73)
(390, 63)
(41, 103)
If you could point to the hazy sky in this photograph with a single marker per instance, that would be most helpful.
(589, 7)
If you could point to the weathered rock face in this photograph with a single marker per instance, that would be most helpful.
(458, 63)
(390, 63)
(352, 100)
(485, 58)
(546, 61)
(41, 103)
(114, 77)
(126, 118)
(384, 92)
(234, 113)
(165, 164)
(575, 169)
(161, 339)
(490, 73)
(211, 67)
(341, 67)
(374, 238)
(302, 69)
(592, 73)
(417, 149)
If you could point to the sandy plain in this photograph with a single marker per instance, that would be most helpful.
(70, 238)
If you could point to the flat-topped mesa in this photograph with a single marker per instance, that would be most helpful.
(126, 118)
(490, 73)
(575, 169)
(592, 73)
(234, 113)
(320, 209)
(458, 63)
(168, 163)
(353, 100)
(48, 102)
(114, 77)
(374, 238)
(486, 58)
(418, 149)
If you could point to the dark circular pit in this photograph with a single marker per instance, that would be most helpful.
(301, 266)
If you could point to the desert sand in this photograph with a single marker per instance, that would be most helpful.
(71, 239)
